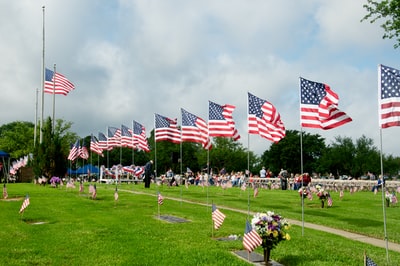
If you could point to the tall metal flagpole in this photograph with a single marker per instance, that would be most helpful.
(42, 80)
(36, 113)
(248, 159)
(383, 179)
(301, 165)
(54, 97)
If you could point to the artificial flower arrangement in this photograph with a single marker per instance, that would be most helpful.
(303, 192)
(55, 181)
(390, 198)
(321, 193)
(271, 227)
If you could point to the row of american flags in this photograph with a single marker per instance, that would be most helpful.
(318, 109)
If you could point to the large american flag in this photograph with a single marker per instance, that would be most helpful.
(389, 96)
(94, 146)
(166, 129)
(113, 137)
(25, 204)
(139, 136)
(126, 137)
(195, 129)
(102, 141)
(74, 151)
(83, 151)
(217, 217)
(57, 83)
(220, 121)
(319, 106)
(251, 239)
(264, 120)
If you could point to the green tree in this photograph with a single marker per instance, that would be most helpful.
(287, 153)
(389, 11)
(16, 138)
(50, 156)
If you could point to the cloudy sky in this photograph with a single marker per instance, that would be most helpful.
(130, 59)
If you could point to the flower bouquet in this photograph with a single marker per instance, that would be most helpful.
(323, 195)
(390, 198)
(55, 181)
(272, 228)
(303, 192)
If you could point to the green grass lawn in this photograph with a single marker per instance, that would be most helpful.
(63, 227)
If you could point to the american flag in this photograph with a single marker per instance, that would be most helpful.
(25, 204)
(81, 187)
(74, 151)
(139, 136)
(368, 261)
(160, 199)
(319, 106)
(251, 239)
(113, 137)
(5, 193)
(126, 137)
(330, 202)
(389, 96)
(57, 83)
(194, 129)
(166, 129)
(94, 146)
(255, 193)
(83, 151)
(116, 196)
(264, 120)
(94, 192)
(220, 121)
(102, 141)
(139, 170)
(217, 217)
(341, 193)
(243, 187)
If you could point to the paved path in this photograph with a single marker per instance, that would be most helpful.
(353, 236)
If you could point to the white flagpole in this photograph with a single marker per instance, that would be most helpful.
(54, 95)
(381, 158)
(42, 78)
(301, 163)
(36, 112)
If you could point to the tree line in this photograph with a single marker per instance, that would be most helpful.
(297, 152)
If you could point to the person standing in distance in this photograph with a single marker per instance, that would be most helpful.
(147, 173)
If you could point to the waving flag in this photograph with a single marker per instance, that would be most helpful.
(83, 151)
(25, 204)
(251, 239)
(319, 106)
(217, 217)
(126, 137)
(389, 96)
(194, 129)
(74, 151)
(166, 129)
(139, 137)
(264, 120)
(94, 146)
(102, 141)
(113, 137)
(57, 83)
(220, 121)
(160, 199)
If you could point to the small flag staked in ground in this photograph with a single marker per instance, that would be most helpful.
(5, 193)
(255, 192)
(330, 202)
(116, 196)
(217, 217)
(81, 187)
(251, 238)
(160, 199)
(25, 204)
(94, 192)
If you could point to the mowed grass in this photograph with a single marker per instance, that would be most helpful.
(64, 227)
